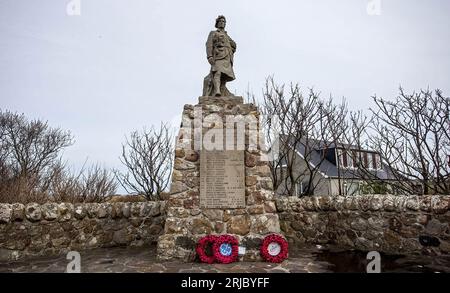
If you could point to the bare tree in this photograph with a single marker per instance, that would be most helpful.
(308, 126)
(31, 169)
(33, 145)
(97, 183)
(148, 157)
(28, 151)
(93, 184)
(334, 130)
(356, 148)
(407, 138)
(413, 137)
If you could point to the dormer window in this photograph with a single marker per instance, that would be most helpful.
(354, 159)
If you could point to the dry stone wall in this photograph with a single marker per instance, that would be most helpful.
(385, 223)
(52, 228)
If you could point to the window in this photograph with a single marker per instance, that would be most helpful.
(341, 158)
(378, 161)
(374, 161)
(365, 160)
(351, 188)
(370, 161)
(355, 158)
(301, 188)
(298, 189)
(349, 159)
(360, 187)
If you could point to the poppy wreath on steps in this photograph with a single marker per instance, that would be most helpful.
(225, 249)
(274, 248)
(205, 249)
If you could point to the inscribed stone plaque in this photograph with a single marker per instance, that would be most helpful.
(222, 179)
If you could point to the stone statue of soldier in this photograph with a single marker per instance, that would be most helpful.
(219, 51)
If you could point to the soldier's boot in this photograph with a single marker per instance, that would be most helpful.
(217, 84)
(207, 85)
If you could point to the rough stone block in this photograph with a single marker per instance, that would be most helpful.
(6, 212)
(33, 212)
(50, 211)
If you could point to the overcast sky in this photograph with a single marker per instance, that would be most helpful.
(121, 65)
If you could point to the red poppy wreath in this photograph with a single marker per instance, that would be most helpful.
(274, 248)
(225, 249)
(204, 249)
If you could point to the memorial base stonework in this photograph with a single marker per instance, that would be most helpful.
(216, 192)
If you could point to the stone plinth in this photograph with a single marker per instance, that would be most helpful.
(210, 123)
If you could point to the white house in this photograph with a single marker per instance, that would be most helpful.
(336, 169)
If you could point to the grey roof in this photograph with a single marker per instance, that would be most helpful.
(329, 168)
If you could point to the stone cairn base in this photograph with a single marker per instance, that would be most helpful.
(186, 221)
